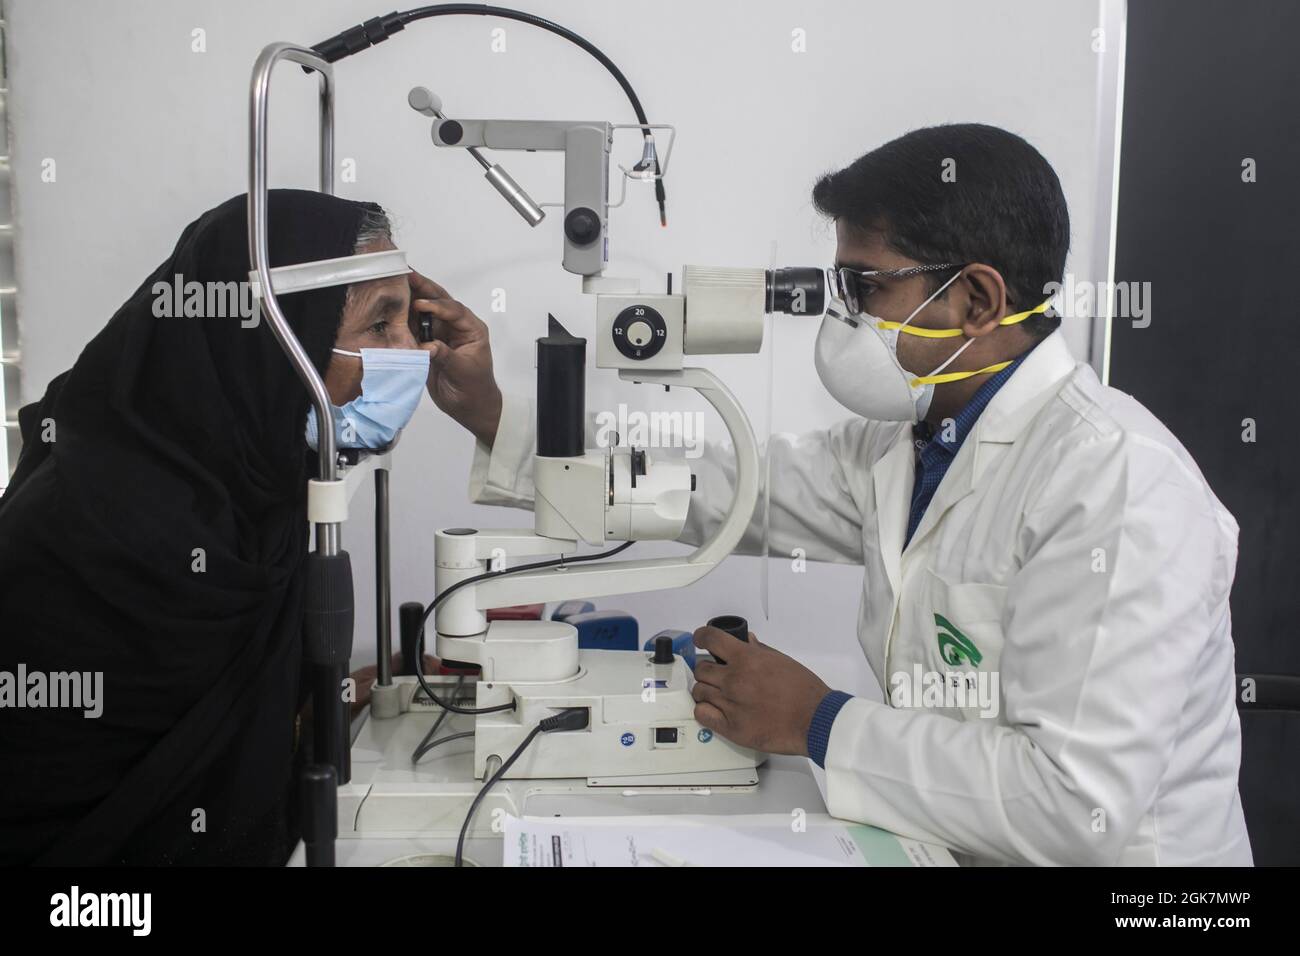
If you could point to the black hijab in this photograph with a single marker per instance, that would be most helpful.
(170, 435)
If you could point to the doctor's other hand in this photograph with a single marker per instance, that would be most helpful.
(760, 698)
(461, 382)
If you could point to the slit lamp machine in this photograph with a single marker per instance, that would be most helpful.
(543, 708)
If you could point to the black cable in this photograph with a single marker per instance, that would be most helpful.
(478, 797)
(378, 29)
(424, 748)
(572, 718)
(506, 13)
(419, 748)
(535, 566)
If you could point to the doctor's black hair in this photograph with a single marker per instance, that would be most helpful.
(1000, 204)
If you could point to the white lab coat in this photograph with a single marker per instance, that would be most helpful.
(1076, 545)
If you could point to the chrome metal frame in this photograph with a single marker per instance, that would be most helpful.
(328, 534)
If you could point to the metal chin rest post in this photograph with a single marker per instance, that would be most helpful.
(328, 603)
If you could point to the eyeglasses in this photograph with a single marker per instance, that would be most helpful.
(850, 285)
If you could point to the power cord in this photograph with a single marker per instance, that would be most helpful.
(486, 575)
(572, 718)
(423, 747)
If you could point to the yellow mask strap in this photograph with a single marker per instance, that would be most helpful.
(946, 333)
(952, 333)
(956, 376)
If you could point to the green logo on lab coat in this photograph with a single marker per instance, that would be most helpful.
(955, 647)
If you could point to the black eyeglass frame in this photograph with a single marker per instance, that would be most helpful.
(843, 281)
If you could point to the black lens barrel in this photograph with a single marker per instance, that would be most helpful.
(796, 290)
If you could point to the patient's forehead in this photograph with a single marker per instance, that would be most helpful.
(375, 299)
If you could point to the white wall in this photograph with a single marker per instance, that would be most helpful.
(147, 134)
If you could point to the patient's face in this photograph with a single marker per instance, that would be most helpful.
(375, 317)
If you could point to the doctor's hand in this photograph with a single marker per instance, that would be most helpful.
(760, 698)
(461, 382)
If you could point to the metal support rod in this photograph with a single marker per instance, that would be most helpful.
(328, 601)
(327, 538)
(383, 581)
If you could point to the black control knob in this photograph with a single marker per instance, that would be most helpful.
(733, 624)
(319, 795)
(410, 618)
(663, 649)
(451, 132)
(582, 226)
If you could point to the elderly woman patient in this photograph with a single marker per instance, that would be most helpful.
(154, 536)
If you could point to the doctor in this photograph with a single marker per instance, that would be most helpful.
(1045, 596)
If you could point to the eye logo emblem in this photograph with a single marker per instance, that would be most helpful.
(956, 649)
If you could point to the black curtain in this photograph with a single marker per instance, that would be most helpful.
(1209, 85)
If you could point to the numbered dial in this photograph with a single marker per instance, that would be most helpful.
(639, 332)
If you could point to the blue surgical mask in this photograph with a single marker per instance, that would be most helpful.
(392, 381)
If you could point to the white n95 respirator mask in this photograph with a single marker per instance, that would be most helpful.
(857, 361)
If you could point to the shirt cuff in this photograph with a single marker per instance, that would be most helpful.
(819, 731)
